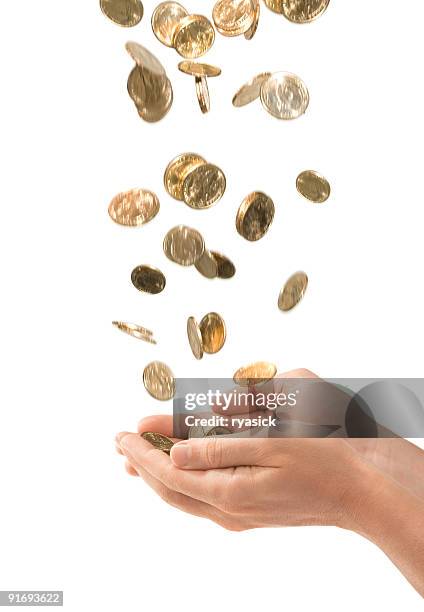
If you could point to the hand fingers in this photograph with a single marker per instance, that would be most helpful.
(221, 452)
(131, 471)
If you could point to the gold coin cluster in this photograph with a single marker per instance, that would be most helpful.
(191, 179)
(190, 35)
(208, 336)
(236, 17)
(148, 85)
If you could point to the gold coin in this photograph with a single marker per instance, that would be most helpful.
(183, 245)
(233, 17)
(159, 441)
(137, 331)
(207, 265)
(213, 332)
(255, 215)
(134, 208)
(284, 96)
(194, 337)
(127, 13)
(194, 36)
(207, 431)
(293, 291)
(275, 5)
(198, 69)
(151, 94)
(313, 186)
(165, 20)
(177, 170)
(202, 92)
(251, 90)
(303, 11)
(204, 186)
(256, 373)
(159, 381)
(148, 279)
(253, 28)
(153, 112)
(226, 268)
(145, 59)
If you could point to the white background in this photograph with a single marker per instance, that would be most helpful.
(70, 517)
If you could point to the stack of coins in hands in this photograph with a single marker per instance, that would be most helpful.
(236, 17)
(208, 336)
(191, 179)
(126, 13)
(148, 86)
(200, 73)
(190, 35)
(298, 11)
(283, 95)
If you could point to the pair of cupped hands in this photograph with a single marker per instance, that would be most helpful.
(245, 483)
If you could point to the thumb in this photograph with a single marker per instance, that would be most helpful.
(220, 452)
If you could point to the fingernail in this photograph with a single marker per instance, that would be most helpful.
(180, 454)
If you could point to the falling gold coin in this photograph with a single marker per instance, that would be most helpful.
(152, 94)
(183, 245)
(126, 13)
(313, 186)
(202, 92)
(145, 59)
(213, 332)
(194, 337)
(284, 96)
(207, 431)
(233, 17)
(177, 170)
(275, 5)
(255, 215)
(198, 69)
(165, 20)
(207, 265)
(204, 186)
(253, 28)
(137, 331)
(226, 268)
(251, 90)
(256, 373)
(194, 36)
(303, 11)
(134, 208)
(148, 279)
(293, 291)
(159, 381)
(159, 441)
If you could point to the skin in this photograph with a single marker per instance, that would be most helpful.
(372, 487)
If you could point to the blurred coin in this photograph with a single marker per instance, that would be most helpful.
(154, 111)
(313, 186)
(148, 279)
(213, 332)
(275, 5)
(284, 95)
(159, 441)
(125, 13)
(255, 215)
(165, 20)
(177, 170)
(254, 374)
(253, 28)
(137, 331)
(303, 11)
(183, 245)
(293, 291)
(233, 17)
(226, 268)
(207, 431)
(134, 208)
(202, 92)
(207, 265)
(204, 186)
(251, 90)
(198, 69)
(151, 94)
(159, 380)
(194, 337)
(194, 36)
(145, 59)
